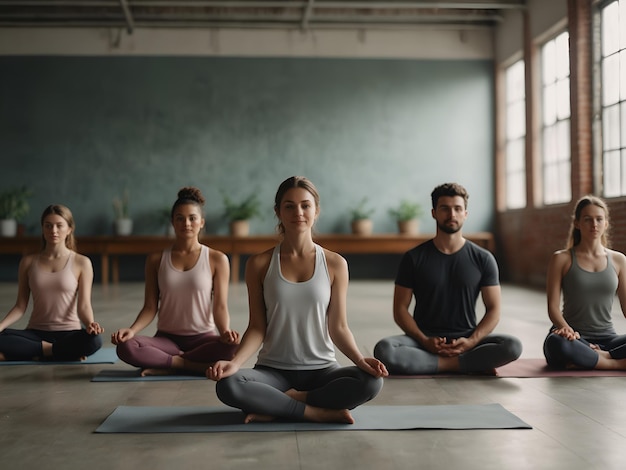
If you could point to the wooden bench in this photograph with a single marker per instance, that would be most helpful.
(109, 248)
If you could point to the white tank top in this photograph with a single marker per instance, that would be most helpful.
(297, 325)
(186, 297)
(55, 297)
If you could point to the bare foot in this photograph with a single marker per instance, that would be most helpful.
(151, 372)
(325, 415)
(2, 357)
(251, 417)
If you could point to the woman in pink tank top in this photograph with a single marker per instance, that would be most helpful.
(60, 282)
(187, 286)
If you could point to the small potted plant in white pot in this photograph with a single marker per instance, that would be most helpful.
(13, 206)
(406, 215)
(239, 214)
(123, 222)
(361, 224)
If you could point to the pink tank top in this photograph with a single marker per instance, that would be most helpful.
(55, 297)
(185, 303)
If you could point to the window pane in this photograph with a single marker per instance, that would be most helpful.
(515, 82)
(515, 120)
(562, 56)
(610, 80)
(549, 105)
(515, 191)
(515, 158)
(622, 70)
(623, 124)
(563, 140)
(548, 62)
(550, 185)
(562, 99)
(610, 29)
(549, 145)
(564, 186)
(612, 186)
(610, 128)
(622, 29)
(623, 166)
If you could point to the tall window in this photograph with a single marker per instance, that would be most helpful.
(613, 66)
(556, 166)
(515, 133)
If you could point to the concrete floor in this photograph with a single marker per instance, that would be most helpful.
(48, 413)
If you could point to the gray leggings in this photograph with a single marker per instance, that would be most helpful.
(405, 356)
(261, 390)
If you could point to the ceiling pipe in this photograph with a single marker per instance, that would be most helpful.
(128, 16)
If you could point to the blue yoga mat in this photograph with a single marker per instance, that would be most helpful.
(188, 419)
(101, 356)
(134, 375)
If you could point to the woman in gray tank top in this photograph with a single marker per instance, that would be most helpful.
(588, 275)
(297, 298)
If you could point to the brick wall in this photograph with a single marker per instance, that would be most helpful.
(525, 239)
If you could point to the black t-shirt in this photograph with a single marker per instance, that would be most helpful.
(446, 287)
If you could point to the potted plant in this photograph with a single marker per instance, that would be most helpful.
(361, 224)
(165, 220)
(13, 206)
(123, 222)
(406, 215)
(239, 214)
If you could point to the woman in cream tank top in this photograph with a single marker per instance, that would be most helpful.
(61, 326)
(187, 288)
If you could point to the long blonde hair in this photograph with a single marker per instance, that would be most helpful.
(66, 213)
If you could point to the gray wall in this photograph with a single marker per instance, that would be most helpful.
(78, 130)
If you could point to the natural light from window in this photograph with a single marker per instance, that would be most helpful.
(515, 136)
(556, 168)
(613, 67)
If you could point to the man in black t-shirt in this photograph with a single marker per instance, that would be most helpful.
(446, 276)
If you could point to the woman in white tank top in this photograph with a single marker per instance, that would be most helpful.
(60, 282)
(297, 298)
(187, 287)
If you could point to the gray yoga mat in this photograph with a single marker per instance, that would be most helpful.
(101, 356)
(184, 419)
(134, 375)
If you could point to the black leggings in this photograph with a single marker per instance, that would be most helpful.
(261, 390)
(25, 345)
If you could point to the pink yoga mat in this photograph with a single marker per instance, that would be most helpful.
(526, 368)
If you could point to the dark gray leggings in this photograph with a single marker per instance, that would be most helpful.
(261, 390)
(561, 352)
(403, 355)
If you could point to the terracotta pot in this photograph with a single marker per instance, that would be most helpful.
(240, 228)
(362, 227)
(408, 227)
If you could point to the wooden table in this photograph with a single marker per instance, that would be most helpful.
(109, 248)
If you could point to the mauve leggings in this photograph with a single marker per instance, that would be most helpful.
(156, 352)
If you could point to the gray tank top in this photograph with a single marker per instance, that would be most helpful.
(297, 335)
(588, 299)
